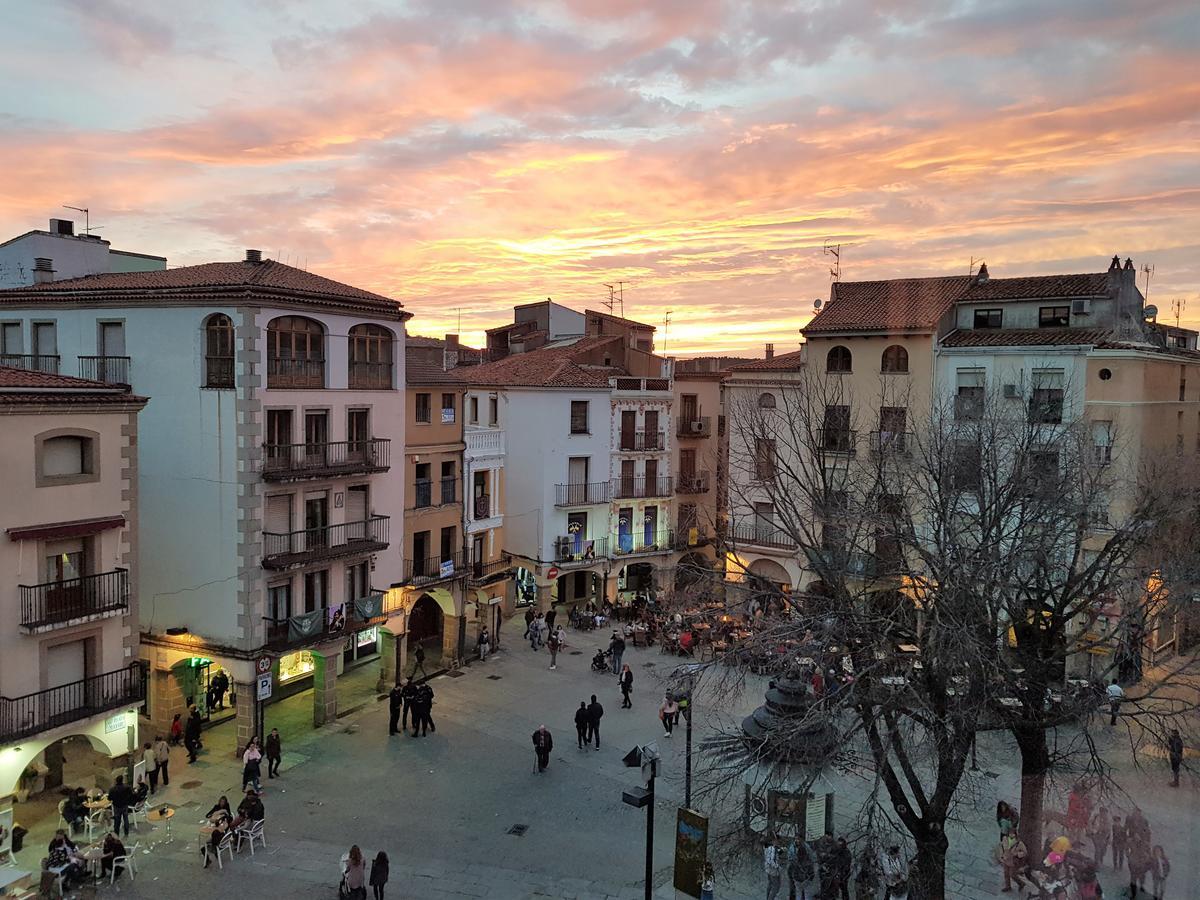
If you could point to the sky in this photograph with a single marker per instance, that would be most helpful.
(464, 156)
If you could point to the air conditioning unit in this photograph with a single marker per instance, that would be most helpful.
(1081, 307)
(1012, 392)
(696, 427)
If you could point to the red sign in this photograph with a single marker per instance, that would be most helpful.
(552, 572)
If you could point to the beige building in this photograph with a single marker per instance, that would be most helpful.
(699, 467)
(69, 669)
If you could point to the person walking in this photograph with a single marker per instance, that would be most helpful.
(379, 874)
(484, 644)
(773, 866)
(274, 753)
(1013, 857)
(1100, 833)
(529, 617)
(595, 714)
(419, 663)
(395, 702)
(1115, 696)
(1175, 755)
(120, 795)
(803, 871)
(550, 617)
(162, 752)
(354, 874)
(581, 724)
(543, 743)
(617, 646)
(1138, 860)
(408, 693)
(252, 765)
(150, 758)
(552, 646)
(841, 867)
(191, 735)
(667, 712)
(176, 731)
(1119, 839)
(626, 686)
(1160, 868)
(220, 685)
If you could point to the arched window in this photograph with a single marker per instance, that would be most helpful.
(370, 357)
(895, 359)
(295, 353)
(218, 351)
(838, 359)
(766, 401)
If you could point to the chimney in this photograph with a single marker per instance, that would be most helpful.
(452, 342)
(65, 227)
(1115, 264)
(254, 256)
(770, 348)
(43, 270)
(982, 276)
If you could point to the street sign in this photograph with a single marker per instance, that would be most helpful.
(263, 664)
(552, 572)
(264, 686)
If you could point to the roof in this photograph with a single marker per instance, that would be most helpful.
(32, 387)
(1027, 337)
(611, 318)
(422, 370)
(788, 361)
(545, 367)
(902, 304)
(1091, 284)
(268, 278)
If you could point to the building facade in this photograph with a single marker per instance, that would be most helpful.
(59, 253)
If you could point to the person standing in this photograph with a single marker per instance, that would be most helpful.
(396, 700)
(162, 752)
(423, 710)
(666, 712)
(581, 724)
(617, 646)
(220, 685)
(1012, 856)
(626, 686)
(121, 798)
(354, 874)
(1175, 755)
(1100, 833)
(191, 735)
(529, 616)
(252, 765)
(1160, 868)
(550, 617)
(485, 644)
(1115, 696)
(150, 758)
(379, 874)
(552, 646)
(803, 870)
(1119, 838)
(841, 867)
(176, 730)
(773, 866)
(595, 714)
(543, 743)
(419, 662)
(274, 753)
(408, 694)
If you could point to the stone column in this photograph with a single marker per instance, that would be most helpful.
(544, 597)
(247, 715)
(325, 685)
(388, 658)
(450, 626)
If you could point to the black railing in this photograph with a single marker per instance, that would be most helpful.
(897, 443)
(482, 508)
(109, 369)
(370, 376)
(218, 371)
(760, 535)
(422, 493)
(638, 441)
(569, 552)
(31, 714)
(295, 373)
(694, 426)
(31, 362)
(281, 550)
(73, 598)
(582, 493)
(429, 569)
(692, 483)
(283, 462)
(280, 635)
(837, 440)
(481, 569)
(449, 490)
(635, 488)
(629, 544)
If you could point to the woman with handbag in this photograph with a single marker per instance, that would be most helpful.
(354, 875)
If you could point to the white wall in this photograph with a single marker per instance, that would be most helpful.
(73, 256)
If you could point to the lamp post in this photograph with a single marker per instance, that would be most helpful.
(639, 797)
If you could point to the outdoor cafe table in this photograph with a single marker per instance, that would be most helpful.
(102, 803)
(10, 876)
(162, 814)
(94, 857)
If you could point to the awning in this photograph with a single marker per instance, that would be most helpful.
(59, 530)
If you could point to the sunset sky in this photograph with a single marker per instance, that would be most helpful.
(469, 155)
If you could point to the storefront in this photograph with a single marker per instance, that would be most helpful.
(205, 683)
(294, 667)
(361, 645)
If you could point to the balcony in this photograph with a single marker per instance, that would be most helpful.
(370, 376)
(422, 493)
(642, 543)
(688, 537)
(109, 369)
(696, 427)
(484, 442)
(449, 490)
(21, 717)
(295, 462)
(482, 571)
(295, 373)
(642, 441)
(837, 440)
(56, 602)
(640, 488)
(891, 443)
(582, 494)
(323, 625)
(760, 535)
(570, 553)
(692, 483)
(641, 384)
(432, 569)
(481, 507)
(31, 362)
(297, 548)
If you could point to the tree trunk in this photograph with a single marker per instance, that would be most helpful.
(928, 875)
(1035, 765)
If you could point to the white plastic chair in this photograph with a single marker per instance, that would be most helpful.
(225, 846)
(62, 820)
(138, 812)
(126, 861)
(252, 832)
(97, 821)
(59, 873)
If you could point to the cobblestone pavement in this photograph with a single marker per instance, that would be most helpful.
(442, 806)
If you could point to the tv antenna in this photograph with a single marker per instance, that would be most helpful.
(834, 250)
(666, 326)
(87, 223)
(616, 297)
(1148, 271)
(971, 265)
(1177, 306)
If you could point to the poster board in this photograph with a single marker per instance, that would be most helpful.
(6, 828)
(691, 851)
(139, 771)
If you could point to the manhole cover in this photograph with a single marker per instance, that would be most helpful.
(648, 665)
(457, 673)
(191, 785)
(494, 677)
(576, 653)
(519, 830)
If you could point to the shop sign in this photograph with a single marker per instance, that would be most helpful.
(446, 570)
(115, 723)
(368, 636)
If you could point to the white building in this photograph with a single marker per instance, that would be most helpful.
(278, 397)
(60, 253)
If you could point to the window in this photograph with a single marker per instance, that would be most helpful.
(358, 433)
(358, 580)
(836, 436)
(1182, 382)
(1046, 400)
(895, 359)
(1102, 443)
(687, 462)
(45, 339)
(764, 521)
(474, 407)
(493, 411)
(424, 409)
(689, 407)
(1054, 316)
(295, 353)
(370, 349)
(1041, 473)
(967, 466)
(423, 486)
(766, 401)
(420, 553)
(834, 536)
(764, 459)
(968, 401)
(66, 459)
(10, 339)
(989, 318)
(579, 417)
(316, 590)
(838, 359)
(449, 542)
(218, 351)
(279, 601)
(449, 482)
(448, 409)
(892, 423)
(688, 517)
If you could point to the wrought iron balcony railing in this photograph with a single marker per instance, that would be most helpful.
(582, 494)
(21, 717)
(572, 552)
(431, 569)
(642, 441)
(55, 602)
(31, 362)
(637, 488)
(109, 369)
(291, 462)
(282, 550)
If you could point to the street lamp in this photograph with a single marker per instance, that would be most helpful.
(647, 758)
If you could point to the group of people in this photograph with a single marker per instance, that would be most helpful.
(253, 755)
(821, 869)
(64, 857)
(223, 820)
(188, 732)
(413, 698)
(356, 877)
(587, 723)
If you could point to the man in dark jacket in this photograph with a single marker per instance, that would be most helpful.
(617, 646)
(191, 735)
(419, 662)
(408, 694)
(121, 797)
(274, 752)
(543, 743)
(581, 724)
(528, 623)
(220, 685)
(395, 704)
(1175, 754)
(422, 705)
(626, 679)
(595, 713)
(841, 864)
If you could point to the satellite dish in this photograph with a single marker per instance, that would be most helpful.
(1150, 312)
(817, 303)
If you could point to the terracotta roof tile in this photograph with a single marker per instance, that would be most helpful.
(25, 386)
(1027, 337)
(1092, 284)
(545, 367)
(902, 304)
(793, 361)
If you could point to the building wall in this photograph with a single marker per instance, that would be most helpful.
(73, 256)
(707, 390)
